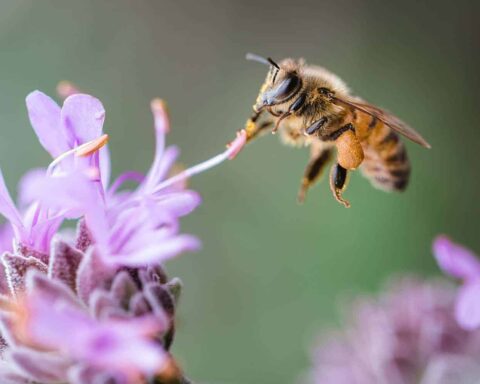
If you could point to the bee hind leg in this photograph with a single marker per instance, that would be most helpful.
(338, 183)
(318, 160)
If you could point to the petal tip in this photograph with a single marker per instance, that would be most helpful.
(192, 244)
(237, 145)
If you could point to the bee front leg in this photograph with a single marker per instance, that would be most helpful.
(338, 183)
(319, 157)
(255, 127)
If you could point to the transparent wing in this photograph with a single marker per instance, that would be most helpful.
(386, 118)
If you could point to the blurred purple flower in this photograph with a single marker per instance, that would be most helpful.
(58, 340)
(407, 335)
(6, 238)
(461, 263)
(121, 331)
(95, 306)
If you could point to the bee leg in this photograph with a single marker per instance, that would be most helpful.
(318, 159)
(338, 183)
(316, 126)
(295, 107)
(255, 128)
(332, 136)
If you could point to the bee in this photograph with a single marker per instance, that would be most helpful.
(310, 106)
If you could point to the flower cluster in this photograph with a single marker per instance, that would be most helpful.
(407, 335)
(92, 306)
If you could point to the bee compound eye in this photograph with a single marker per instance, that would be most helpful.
(284, 90)
(287, 87)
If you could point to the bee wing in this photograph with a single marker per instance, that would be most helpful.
(386, 118)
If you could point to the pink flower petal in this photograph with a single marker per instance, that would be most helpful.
(40, 366)
(467, 309)
(25, 195)
(455, 260)
(7, 207)
(178, 203)
(10, 375)
(83, 117)
(39, 283)
(157, 253)
(44, 116)
(6, 239)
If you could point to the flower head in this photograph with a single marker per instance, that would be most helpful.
(95, 306)
(407, 335)
(138, 227)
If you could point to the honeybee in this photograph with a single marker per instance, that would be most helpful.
(310, 106)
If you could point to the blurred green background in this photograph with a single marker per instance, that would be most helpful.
(271, 272)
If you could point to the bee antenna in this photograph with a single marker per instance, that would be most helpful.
(270, 60)
(261, 59)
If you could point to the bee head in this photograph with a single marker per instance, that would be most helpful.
(281, 84)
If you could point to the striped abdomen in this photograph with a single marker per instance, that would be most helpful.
(386, 163)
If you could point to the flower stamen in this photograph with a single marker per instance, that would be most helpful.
(83, 150)
(91, 147)
(233, 149)
(66, 88)
(160, 115)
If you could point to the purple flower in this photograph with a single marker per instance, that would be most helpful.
(60, 131)
(94, 306)
(51, 333)
(461, 263)
(132, 228)
(407, 335)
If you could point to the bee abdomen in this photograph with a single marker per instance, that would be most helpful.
(386, 163)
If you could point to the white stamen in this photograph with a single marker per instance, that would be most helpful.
(232, 150)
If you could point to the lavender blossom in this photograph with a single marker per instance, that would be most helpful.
(407, 335)
(461, 263)
(97, 306)
(60, 131)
